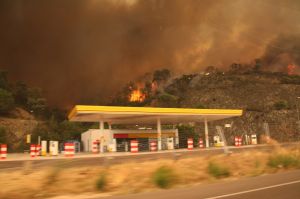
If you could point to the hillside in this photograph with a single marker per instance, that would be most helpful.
(17, 126)
(269, 99)
(265, 98)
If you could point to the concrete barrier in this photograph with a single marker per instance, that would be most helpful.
(201, 145)
(153, 146)
(69, 149)
(134, 146)
(190, 143)
(38, 150)
(3, 151)
(32, 150)
(95, 147)
(238, 141)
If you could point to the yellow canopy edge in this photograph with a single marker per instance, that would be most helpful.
(152, 110)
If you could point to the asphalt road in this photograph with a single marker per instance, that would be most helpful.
(118, 158)
(285, 185)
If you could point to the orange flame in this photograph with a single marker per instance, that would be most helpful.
(154, 87)
(290, 69)
(137, 96)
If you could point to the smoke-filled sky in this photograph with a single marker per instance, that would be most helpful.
(77, 50)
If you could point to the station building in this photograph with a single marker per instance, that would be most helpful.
(113, 139)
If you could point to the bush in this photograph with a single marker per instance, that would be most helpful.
(200, 106)
(101, 182)
(163, 177)
(217, 170)
(185, 132)
(3, 135)
(283, 160)
(168, 100)
(281, 105)
(290, 79)
(7, 102)
(53, 176)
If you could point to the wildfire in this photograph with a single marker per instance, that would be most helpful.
(137, 96)
(291, 69)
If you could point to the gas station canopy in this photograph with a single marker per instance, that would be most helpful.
(147, 115)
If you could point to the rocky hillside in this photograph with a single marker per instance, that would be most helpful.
(17, 125)
(265, 97)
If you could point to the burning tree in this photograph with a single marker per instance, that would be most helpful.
(137, 96)
(291, 69)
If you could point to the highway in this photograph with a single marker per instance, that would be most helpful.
(284, 185)
(120, 157)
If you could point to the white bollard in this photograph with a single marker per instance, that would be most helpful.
(44, 147)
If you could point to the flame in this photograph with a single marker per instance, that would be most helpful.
(137, 96)
(154, 87)
(291, 69)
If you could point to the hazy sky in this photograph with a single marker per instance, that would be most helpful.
(79, 50)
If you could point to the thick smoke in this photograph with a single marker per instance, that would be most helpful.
(83, 50)
(284, 51)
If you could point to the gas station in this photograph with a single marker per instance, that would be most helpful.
(112, 139)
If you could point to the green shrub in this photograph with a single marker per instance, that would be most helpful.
(101, 182)
(164, 177)
(167, 100)
(7, 102)
(3, 135)
(290, 79)
(283, 160)
(199, 105)
(281, 105)
(53, 176)
(218, 171)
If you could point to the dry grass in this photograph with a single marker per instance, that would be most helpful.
(129, 177)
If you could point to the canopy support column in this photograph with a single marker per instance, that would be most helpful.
(101, 127)
(159, 144)
(206, 133)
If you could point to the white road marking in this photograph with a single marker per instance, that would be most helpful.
(253, 190)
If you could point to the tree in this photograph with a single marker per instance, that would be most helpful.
(180, 85)
(35, 102)
(200, 106)
(3, 135)
(3, 80)
(258, 65)
(185, 132)
(43, 131)
(71, 130)
(167, 100)
(280, 105)
(161, 75)
(21, 93)
(236, 68)
(6, 101)
(211, 70)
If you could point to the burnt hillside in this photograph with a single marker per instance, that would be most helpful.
(267, 98)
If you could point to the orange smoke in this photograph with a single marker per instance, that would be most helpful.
(137, 96)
